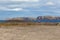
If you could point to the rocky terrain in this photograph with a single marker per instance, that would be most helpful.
(31, 19)
(40, 20)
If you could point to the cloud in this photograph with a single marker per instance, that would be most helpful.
(24, 5)
(19, 0)
(10, 9)
(26, 0)
(15, 9)
(50, 3)
(18, 5)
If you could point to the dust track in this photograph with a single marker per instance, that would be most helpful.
(30, 33)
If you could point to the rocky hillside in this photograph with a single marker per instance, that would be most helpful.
(21, 19)
(38, 19)
(48, 17)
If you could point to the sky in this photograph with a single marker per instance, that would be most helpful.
(29, 8)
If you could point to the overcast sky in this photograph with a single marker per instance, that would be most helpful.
(29, 8)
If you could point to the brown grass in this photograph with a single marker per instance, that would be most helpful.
(25, 24)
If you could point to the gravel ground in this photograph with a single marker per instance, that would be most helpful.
(30, 33)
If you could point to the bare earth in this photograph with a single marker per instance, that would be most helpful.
(30, 33)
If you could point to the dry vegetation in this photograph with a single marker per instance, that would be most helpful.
(25, 23)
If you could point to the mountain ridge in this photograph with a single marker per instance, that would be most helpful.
(31, 19)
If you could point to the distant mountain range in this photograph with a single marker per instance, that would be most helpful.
(30, 19)
(48, 19)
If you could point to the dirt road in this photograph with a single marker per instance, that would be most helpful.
(30, 33)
